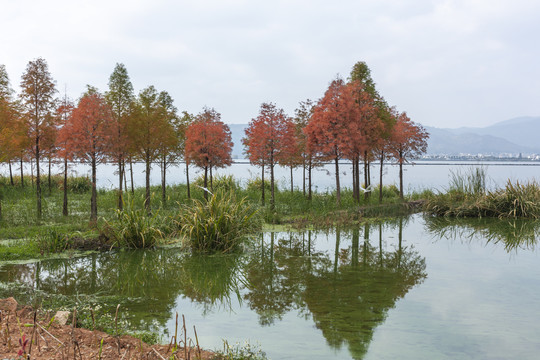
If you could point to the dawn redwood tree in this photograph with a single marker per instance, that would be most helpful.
(181, 128)
(37, 95)
(302, 116)
(148, 129)
(328, 133)
(63, 113)
(361, 76)
(264, 140)
(208, 143)
(408, 141)
(8, 120)
(365, 130)
(120, 98)
(383, 149)
(86, 136)
(290, 154)
(169, 149)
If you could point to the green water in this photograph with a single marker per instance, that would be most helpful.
(407, 289)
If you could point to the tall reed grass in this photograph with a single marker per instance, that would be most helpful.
(221, 224)
(135, 228)
(467, 197)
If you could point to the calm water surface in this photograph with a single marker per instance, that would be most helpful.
(418, 176)
(412, 288)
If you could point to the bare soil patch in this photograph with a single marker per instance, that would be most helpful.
(29, 334)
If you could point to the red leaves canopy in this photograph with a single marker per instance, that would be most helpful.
(408, 139)
(270, 137)
(208, 141)
(86, 133)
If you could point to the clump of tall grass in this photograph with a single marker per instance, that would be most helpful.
(223, 223)
(52, 241)
(134, 228)
(219, 182)
(513, 201)
(470, 182)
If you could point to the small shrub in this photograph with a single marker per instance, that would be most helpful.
(219, 182)
(134, 229)
(255, 185)
(51, 241)
(220, 224)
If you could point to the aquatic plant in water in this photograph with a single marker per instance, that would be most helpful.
(223, 223)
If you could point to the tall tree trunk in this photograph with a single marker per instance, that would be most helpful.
(366, 176)
(262, 184)
(401, 174)
(272, 191)
(355, 189)
(38, 181)
(357, 179)
(187, 181)
(93, 199)
(147, 185)
(120, 190)
(65, 202)
(292, 189)
(124, 172)
(163, 180)
(32, 172)
(310, 167)
(22, 173)
(131, 174)
(10, 174)
(304, 176)
(338, 189)
(49, 175)
(205, 184)
(380, 177)
(211, 180)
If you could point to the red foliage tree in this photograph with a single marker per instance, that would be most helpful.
(64, 112)
(38, 90)
(149, 129)
(86, 136)
(266, 139)
(208, 143)
(290, 153)
(328, 132)
(409, 140)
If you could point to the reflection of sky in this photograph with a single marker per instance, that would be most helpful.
(478, 302)
(422, 175)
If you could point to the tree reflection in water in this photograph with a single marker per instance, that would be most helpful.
(346, 291)
(347, 295)
(513, 234)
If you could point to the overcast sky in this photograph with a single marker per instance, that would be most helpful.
(446, 63)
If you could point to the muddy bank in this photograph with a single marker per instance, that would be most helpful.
(30, 334)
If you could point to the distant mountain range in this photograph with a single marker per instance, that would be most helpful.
(514, 136)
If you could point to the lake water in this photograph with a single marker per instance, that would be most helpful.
(412, 288)
(421, 175)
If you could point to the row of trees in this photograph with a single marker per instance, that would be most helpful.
(117, 126)
(351, 121)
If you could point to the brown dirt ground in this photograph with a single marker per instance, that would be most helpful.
(63, 342)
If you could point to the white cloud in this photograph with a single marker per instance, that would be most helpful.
(444, 62)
